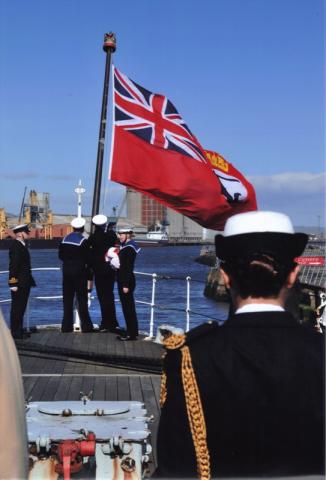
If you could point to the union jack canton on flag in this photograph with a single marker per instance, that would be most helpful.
(153, 118)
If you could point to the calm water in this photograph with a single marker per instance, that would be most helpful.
(176, 262)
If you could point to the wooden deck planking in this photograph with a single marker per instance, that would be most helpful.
(99, 388)
(123, 388)
(29, 383)
(51, 389)
(58, 367)
(101, 347)
(46, 366)
(63, 389)
(29, 363)
(37, 389)
(94, 342)
(70, 366)
(156, 382)
(88, 385)
(75, 388)
(80, 342)
(111, 388)
(136, 393)
(102, 343)
(152, 409)
(147, 389)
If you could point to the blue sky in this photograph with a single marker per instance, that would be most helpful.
(246, 75)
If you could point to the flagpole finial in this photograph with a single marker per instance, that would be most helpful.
(110, 42)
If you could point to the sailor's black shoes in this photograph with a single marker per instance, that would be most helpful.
(126, 338)
(117, 330)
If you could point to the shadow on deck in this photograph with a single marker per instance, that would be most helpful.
(100, 348)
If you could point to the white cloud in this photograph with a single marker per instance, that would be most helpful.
(60, 177)
(301, 195)
(19, 175)
(298, 183)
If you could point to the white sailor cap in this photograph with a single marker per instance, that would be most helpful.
(99, 219)
(78, 222)
(257, 221)
(125, 229)
(260, 232)
(21, 228)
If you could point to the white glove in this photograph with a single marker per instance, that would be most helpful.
(115, 262)
(14, 289)
(112, 256)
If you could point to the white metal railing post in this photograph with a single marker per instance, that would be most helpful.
(188, 279)
(151, 323)
(77, 320)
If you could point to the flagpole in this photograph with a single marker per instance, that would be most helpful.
(109, 47)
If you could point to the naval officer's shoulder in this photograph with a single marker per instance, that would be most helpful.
(17, 249)
(203, 330)
(200, 333)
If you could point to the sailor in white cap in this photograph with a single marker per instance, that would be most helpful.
(127, 282)
(101, 240)
(246, 398)
(74, 251)
(78, 223)
(100, 220)
(20, 279)
(21, 228)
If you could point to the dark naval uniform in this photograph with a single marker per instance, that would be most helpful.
(75, 254)
(261, 400)
(126, 278)
(20, 276)
(100, 241)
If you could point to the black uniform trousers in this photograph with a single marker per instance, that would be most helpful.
(19, 301)
(129, 309)
(75, 285)
(104, 284)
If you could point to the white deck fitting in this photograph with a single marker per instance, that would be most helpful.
(105, 419)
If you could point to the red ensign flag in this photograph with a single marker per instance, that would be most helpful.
(153, 151)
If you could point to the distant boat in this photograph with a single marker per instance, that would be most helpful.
(158, 233)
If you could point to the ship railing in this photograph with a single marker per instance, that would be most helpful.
(313, 276)
(153, 306)
(186, 239)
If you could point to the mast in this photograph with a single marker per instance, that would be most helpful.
(109, 47)
(79, 190)
(21, 213)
